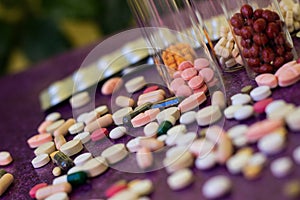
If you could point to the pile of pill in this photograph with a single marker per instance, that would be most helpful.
(291, 13)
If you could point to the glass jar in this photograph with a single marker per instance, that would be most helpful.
(261, 34)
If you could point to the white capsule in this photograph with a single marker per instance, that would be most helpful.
(236, 131)
(271, 144)
(240, 99)
(244, 112)
(206, 162)
(216, 187)
(281, 167)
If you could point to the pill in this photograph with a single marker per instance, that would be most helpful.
(59, 140)
(63, 161)
(151, 143)
(296, 155)
(177, 74)
(244, 112)
(150, 89)
(54, 116)
(240, 141)
(151, 99)
(142, 187)
(58, 196)
(135, 84)
(77, 178)
(40, 160)
(188, 117)
(117, 132)
(60, 179)
(115, 188)
(46, 148)
(281, 167)
(99, 134)
(178, 162)
(124, 101)
(260, 93)
(275, 105)
(180, 179)
(151, 129)
(33, 190)
(5, 181)
(56, 171)
(186, 139)
(171, 139)
(192, 102)
(133, 145)
(267, 79)
(144, 158)
(101, 110)
(5, 158)
(216, 187)
(101, 122)
(43, 126)
(260, 106)
(140, 109)
(196, 82)
(114, 153)
(176, 150)
(167, 103)
(287, 75)
(76, 128)
(189, 73)
(183, 91)
(47, 191)
(206, 162)
(292, 189)
(52, 127)
(111, 85)
(80, 99)
(176, 83)
(218, 99)
(237, 131)
(92, 116)
(208, 115)
(125, 194)
(178, 129)
(163, 115)
(165, 126)
(240, 99)
(152, 113)
(201, 147)
(293, 120)
(201, 63)
(84, 137)
(207, 74)
(152, 94)
(95, 166)
(184, 65)
(140, 120)
(82, 158)
(75, 169)
(247, 89)
(53, 154)
(72, 147)
(262, 128)
(2, 172)
(281, 114)
(237, 162)
(271, 144)
(230, 110)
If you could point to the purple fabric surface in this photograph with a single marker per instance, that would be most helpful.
(21, 114)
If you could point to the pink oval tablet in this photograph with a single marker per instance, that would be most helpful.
(196, 82)
(177, 74)
(201, 63)
(114, 189)
(260, 106)
(152, 113)
(203, 89)
(144, 158)
(214, 82)
(39, 139)
(42, 127)
(140, 120)
(99, 134)
(150, 89)
(111, 85)
(192, 102)
(207, 74)
(184, 65)
(288, 77)
(189, 73)
(176, 83)
(267, 79)
(35, 188)
(183, 91)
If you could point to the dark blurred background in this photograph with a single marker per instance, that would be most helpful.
(33, 30)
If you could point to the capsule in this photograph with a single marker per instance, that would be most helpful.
(77, 178)
(135, 112)
(63, 161)
(165, 126)
(5, 181)
(170, 102)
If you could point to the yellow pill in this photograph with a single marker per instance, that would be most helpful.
(5, 181)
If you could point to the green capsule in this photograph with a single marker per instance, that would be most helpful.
(247, 89)
(2, 172)
(77, 178)
(164, 127)
(63, 161)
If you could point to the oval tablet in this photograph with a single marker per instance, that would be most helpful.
(39, 139)
(95, 166)
(151, 129)
(115, 153)
(54, 126)
(271, 144)
(230, 110)
(46, 148)
(144, 158)
(84, 137)
(53, 116)
(218, 99)
(80, 99)
(135, 84)
(207, 74)
(192, 102)
(188, 117)
(76, 128)
(260, 93)
(201, 63)
(119, 114)
(281, 167)
(111, 85)
(208, 115)
(180, 179)
(244, 112)
(216, 187)
(267, 79)
(5, 158)
(40, 160)
(124, 101)
(72, 147)
(117, 132)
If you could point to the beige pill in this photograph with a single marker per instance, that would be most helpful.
(58, 196)
(47, 191)
(235, 52)
(230, 63)
(46, 148)
(218, 99)
(52, 127)
(144, 158)
(208, 115)
(80, 99)
(135, 84)
(125, 194)
(178, 162)
(84, 137)
(180, 179)
(5, 181)
(76, 128)
(229, 45)
(151, 143)
(151, 129)
(101, 122)
(95, 166)
(119, 114)
(40, 160)
(101, 110)
(152, 94)
(53, 116)
(163, 115)
(152, 99)
(124, 101)
(64, 128)
(56, 171)
(59, 140)
(115, 153)
(72, 147)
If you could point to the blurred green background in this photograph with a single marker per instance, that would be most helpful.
(34, 30)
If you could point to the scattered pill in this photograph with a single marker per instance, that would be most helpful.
(76, 128)
(240, 99)
(206, 162)
(63, 161)
(144, 158)
(188, 117)
(115, 188)
(293, 119)
(47, 191)
(95, 166)
(208, 115)
(163, 115)
(82, 158)
(101, 110)
(58, 196)
(151, 129)
(52, 127)
(43, 126)
(5, 158)
(114, 153)
(80, 99)
(5, 181)
(64, 128)
(237, 131)
(218, 99)
(180, 179)
(111, 85)
(244, 112)
(216, 187)
(142, 187)
(281, 167)
(178, 129)
(33, 190)
(56, 171)
(230, 110)
(135, 84)
(271, 144)
(260, 93)
(59, 140)
(72, 147)
(84, 137)
(77, 178)
(101, 122)
(46, 148)
(99, 134)
(151, 143)
(260, 106)
(247, 89)
(53, 116)
(165, 125)
(117, 132)
(267, 79)
(124, 101)
(40, 160)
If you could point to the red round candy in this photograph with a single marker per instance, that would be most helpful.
(247, 32)
(268, 15)
(268, 55)
(254, 51)
(236, 22)
(260, 39)
(278, 62)
(260, 106)
(272, 30)
(253, 62)
(280, 50)
(246, 53)
(237, 31)
(260, 25)
(298, 60)
(246, 43)
(258, 13)
(266, 68)
(246, 11)
(280, 40)
(288, 57)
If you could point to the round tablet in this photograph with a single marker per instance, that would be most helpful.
(267, 79)
(124, 101)
(201, 63)
(56, 171)
(117, 132)
(206, 162)
(240, 99)
(176, 83)
(184, 65)
(216, 187)
(52, 127)
(115, 153)
(5, 158)
(151, 129)
(135, 84)
(82, 158)
(230, 110)
(53, 116)
(111, 85)
(275, 105)
(208, 115)
(207, 74)
(271, 144)
(183, 91)
(72, 147)
(180, 179)
(76, 128)
(189, 73)
(80, 99)
(95, 166)
(133, 145)
(260, 93)
(40, 160)
(119, 114)
(196, 82)
(46, 148)
(84, 137)
(188, 117)
(281, 167)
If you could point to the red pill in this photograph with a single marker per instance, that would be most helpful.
(260, 106)
(99, 134)
(184, 65)
(114, 189)
(150, 89)
(35, 188)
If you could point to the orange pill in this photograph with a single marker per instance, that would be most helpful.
(39, 139)
(101, 122)
(64, 129)
(111, 85)
(42, 127)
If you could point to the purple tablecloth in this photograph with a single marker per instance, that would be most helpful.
(21, 114)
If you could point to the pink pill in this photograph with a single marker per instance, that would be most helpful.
(183, 91)
(185, 65)
(201, 63)
(176, 83)
(39, 139)
(99, 134)
(288, 77)
(35, 188)
(260, 106)
(144, 158)
(177, 74)
(203, 89)
(207, 74)
(140, 120)
(152, 113)
(150, 89)
(196, 82)
(42, 127)
(297, 67)
(214, 82)
(111, 85)
(189, 73)
(192, 102)
(267, 79)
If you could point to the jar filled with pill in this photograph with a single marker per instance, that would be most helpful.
(176, 39)
(261, 34)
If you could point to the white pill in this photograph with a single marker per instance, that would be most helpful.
(281, 113)
(72, 147)
(281, 167)
(244, 112)
(186, 139)
(240, 141)
(236, 131)
(133, 145)
(124, 101)
(117, 132)
(60, 179)
(188, 117)
(75, 169)
(101, 110)
(135, 84)
(175, 151)
(84, 137)
(163, 115)
(143, 187)
(82, 117)
(208, 115)
(257, 159)
(76, 128)
(180, 179)
(271, 143)
(80, 99)
(95, 166)
(275, 105)
(58, 196)
(47, 148)
(181, 129)
(216, 187)
(171, 139)
(119, 114)
(230, 110)
(162, 138)
(218, 99)
(296, 155)
(178, 162)
(240, 99)
(40, 160)
(293, 120)
(260, 93)
(82, 158)
(53, 116)
(235, 164)
(125, 194)
(206, 162)
(151, 129)
(114, 153)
